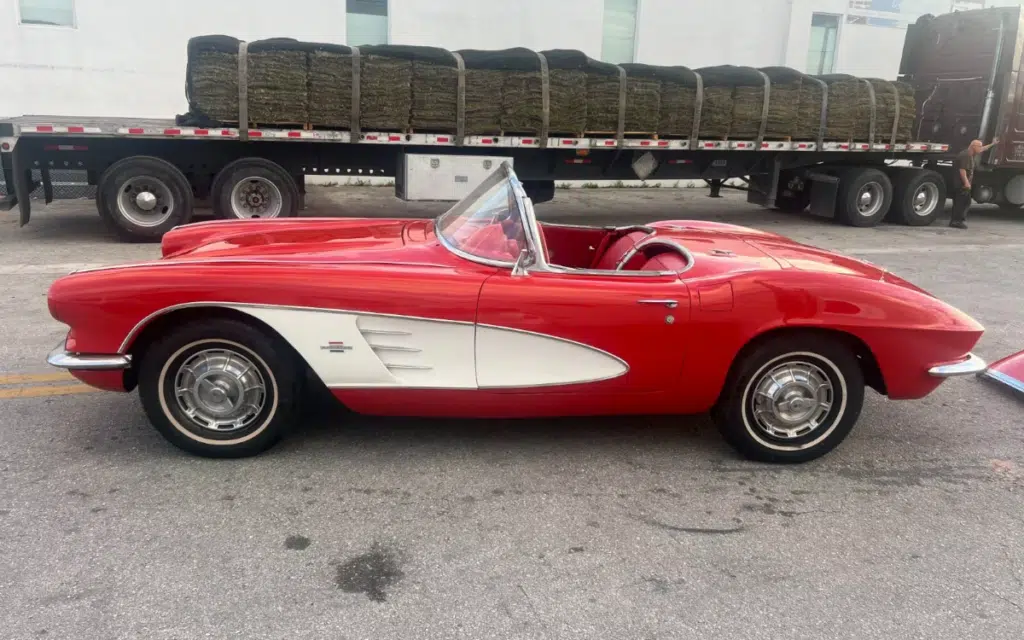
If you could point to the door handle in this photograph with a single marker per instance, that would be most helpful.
(671, 304)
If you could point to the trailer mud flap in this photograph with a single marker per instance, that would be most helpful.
(824, 191)
(22, 184)
(8, 201)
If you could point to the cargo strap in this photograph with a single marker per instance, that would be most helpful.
(460, 108)
(871, 122)
(823, 122)
(698, 108)
(896, 115)
(621, 133)
(545, 100)
(764, 109)
(356, 100)
(243, 90)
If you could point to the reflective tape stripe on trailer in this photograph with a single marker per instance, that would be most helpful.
(435, 139)
(52, 128)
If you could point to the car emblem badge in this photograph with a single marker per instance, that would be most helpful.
(336, 347)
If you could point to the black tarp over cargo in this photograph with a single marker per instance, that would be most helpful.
(519, 91)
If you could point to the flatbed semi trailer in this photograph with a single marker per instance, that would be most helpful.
(964, 67)
(149, 173)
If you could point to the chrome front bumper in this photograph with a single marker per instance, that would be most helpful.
(972, 365)
(63, 359)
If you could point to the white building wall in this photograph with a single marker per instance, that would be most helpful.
(490, 24)
(127, 57)
(702, 33)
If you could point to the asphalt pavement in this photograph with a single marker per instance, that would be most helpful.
(628, 528)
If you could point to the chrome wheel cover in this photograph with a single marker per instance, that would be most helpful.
(791, 400)
(145, 201)
(926, 198)
(869, 199)
(220, 390)
(256, 197)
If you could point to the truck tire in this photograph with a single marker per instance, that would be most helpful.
(864, 198)
(142, 197)
(254, 188)
(918, 197)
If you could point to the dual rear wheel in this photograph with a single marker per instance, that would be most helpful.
(143, 197)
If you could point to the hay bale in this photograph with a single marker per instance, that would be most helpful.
(908, 112)
(643, 98)
(808, 117)
(486, 73)
(522, 95)
(330, 86)
(276, 74)
(385, 94)
(849, 109)
(668, 108)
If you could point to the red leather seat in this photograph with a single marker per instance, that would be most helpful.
(617, 250)
(665, 262)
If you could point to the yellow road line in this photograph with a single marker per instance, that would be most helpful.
(43, 391)
(28, 378)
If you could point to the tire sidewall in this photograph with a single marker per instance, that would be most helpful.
(229, 176)
(837, 362)
(904, 188)
(115, 177)
(851, 183)
(159, 366)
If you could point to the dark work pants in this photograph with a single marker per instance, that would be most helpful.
(961, 203)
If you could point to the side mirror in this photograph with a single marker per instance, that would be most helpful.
(522, 262)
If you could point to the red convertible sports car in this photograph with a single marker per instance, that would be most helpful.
(486, 313)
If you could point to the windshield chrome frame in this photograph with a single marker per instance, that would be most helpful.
(502, 173)
(531, 229)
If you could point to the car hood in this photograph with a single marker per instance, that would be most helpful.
(300, 240)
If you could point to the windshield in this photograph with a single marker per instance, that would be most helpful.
(486, 224)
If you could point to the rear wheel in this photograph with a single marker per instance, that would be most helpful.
(864, 198)
(791, 399)
(220, 388)
(919, 196)
(141, 198)
(254, 188)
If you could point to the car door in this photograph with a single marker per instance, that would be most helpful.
(545, 330)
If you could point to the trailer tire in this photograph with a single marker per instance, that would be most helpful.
(864, 198)
(254, 188)
(134, 216)
(919, 196)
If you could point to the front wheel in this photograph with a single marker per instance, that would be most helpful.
(791, 399)
(219, 388)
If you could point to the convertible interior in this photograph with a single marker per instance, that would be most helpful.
(609, 249)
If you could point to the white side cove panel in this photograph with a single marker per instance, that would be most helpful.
(363, 350)
(512, 358)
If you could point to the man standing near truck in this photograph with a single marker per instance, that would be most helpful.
(966, 163)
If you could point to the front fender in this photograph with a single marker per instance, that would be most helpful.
(905, 330)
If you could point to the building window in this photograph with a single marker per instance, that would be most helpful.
(366, 22)
(618, 41)
(821, 54)
(55, 13)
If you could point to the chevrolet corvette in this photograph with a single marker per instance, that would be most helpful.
(484, 312)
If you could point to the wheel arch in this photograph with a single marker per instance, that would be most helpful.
(158, 324)
(873, 376)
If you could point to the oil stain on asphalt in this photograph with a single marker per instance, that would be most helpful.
(371, 573)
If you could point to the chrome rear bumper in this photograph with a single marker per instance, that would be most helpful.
(969, 366)
(63, 359)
